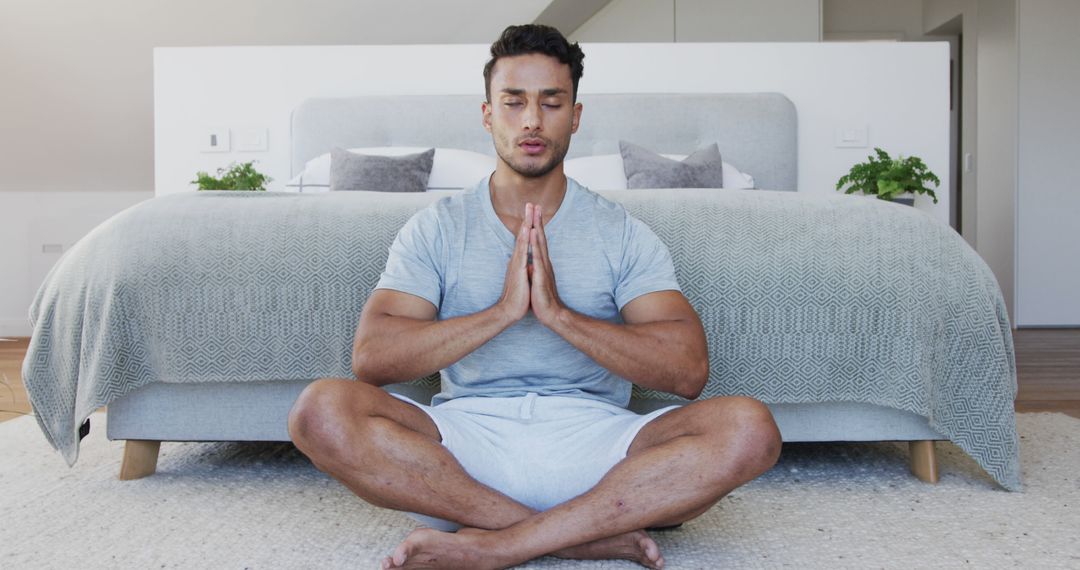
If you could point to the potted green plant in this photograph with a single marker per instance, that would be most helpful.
(890, 178)
(236, 177)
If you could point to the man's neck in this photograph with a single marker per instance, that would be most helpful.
(510, 192)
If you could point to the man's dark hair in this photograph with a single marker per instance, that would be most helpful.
(535, 38)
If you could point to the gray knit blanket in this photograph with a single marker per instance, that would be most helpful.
(804, 298)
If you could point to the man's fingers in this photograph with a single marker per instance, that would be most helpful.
(539, 265)
(526, 222)
(521, 246)
(539, 257)
(540, 260)
(541, 248)
(533, 246)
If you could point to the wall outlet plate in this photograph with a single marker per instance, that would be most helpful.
(251, 139)
(851, 137)
(215, 139)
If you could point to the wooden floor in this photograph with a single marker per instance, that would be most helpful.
(1047, 366)
(13, 401)
(1048, 370)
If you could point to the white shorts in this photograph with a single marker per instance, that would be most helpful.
(538, 450)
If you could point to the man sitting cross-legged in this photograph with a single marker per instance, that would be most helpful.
(540, 302)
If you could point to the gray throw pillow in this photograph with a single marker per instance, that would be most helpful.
(404, 173)
(647, 169)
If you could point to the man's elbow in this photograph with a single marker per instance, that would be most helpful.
(695, 380)
(362, 367)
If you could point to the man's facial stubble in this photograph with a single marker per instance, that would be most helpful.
(505, 147)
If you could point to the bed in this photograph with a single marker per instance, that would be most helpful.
(201, 316)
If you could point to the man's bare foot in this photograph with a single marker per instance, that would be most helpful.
(636, 546)
(467, 549)
(428, 548)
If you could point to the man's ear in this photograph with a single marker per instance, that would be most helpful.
(577, 118)
(485, 110)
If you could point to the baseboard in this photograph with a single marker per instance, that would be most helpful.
(15, 327)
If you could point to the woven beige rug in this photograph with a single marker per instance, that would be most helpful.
(229, 505)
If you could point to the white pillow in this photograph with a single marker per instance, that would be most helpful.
(601, 172)
(605, 172)
(451, 168)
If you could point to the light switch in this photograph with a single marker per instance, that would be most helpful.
(851, 137)
(251, 139)
(215, 139)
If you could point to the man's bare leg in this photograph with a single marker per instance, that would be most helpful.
(388, 452)
(679, 465)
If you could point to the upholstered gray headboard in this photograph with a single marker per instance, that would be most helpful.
(756, 131)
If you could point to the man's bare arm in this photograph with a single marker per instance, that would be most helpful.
(661, 344)
(399, 339)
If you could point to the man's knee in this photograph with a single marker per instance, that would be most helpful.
(744, 429)
(320, 412)
(753, 432)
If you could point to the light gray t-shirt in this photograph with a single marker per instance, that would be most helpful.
(454, 253)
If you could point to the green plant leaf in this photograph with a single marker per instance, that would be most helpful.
(236, 177)
(887, 177)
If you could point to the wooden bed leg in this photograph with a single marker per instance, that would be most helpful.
(140, 459)
(923, 460)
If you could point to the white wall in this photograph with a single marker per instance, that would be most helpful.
(76, 84)
(960, 17)
(995, 207)
(834, 86)
(748, 20)
(36, 219)
(1048, 207)
(259, 86)
(936, 13)
(629, 21)
(704, 21)
(897, 19)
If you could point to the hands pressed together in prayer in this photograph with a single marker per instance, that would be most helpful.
(530, 279)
